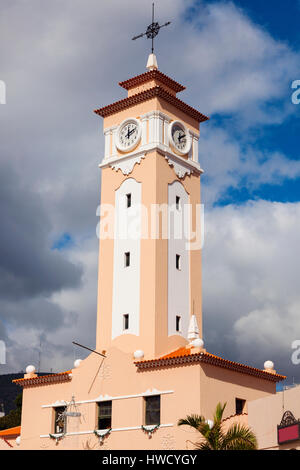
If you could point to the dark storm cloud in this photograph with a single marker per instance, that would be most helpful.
(28, 266)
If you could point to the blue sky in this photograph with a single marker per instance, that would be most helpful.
(63, 242)
(281, 20)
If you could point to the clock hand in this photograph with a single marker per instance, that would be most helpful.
(181, 137)
(131, 132)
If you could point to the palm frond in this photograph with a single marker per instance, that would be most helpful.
(239, 437)
(203, 446)
(218, 416)
(193, 421)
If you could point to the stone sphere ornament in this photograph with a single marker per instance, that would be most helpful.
(30, 369)
(269, 365)
(139, 354)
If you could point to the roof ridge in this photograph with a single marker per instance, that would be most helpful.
(144, 77)
(207, 358)
(234, 416)
(41, 379)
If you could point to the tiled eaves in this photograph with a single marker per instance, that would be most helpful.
(152, 75)
(154, 92)
(44, 379)
(10, 433)
(207, 358)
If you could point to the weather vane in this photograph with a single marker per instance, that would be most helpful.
(152, 30)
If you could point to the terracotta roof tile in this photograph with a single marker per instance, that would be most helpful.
(44, 379)
(233, 417)
(153, 92)
(11, 432)
(183, 355)
(152, 75)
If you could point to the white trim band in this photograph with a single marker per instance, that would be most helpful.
(109, 398)
(128, 161)
(133, 428)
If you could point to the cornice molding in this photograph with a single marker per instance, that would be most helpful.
(126, 163)
(147, 393)
(44, 379)
(207, 358)
(154, 92)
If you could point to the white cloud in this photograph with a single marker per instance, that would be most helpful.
(240, 67)
(251, 281)
(64, 58)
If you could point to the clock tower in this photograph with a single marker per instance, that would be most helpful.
(149, 369)
(149, 282)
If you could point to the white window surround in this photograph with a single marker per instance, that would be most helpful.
(133, 428)
(126, 262)
(148, 393)
(178, 260)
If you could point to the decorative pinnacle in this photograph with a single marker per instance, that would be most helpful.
(152, 62)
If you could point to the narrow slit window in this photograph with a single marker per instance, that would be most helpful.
(239, 406)
(177, 203)
(178, 323)
(152, 410)
(126, 322)
(128, 200)
(178, 262)
(127, 259)
(104, 414)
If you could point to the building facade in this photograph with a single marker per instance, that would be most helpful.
(276, 420)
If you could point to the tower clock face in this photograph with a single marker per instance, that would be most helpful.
(180, 137)
(129, 134)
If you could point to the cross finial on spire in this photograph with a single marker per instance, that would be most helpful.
(152, 30)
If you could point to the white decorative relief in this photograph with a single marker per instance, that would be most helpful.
(180, 169)
(168, 442)
(105, 372)
(126, 166)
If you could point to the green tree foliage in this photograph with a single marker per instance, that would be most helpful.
(237, 437)
(14, 417)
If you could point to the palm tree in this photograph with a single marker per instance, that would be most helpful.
(237, 437)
